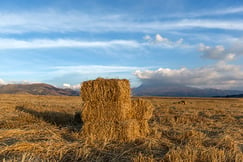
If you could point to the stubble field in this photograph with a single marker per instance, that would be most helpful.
(42, 128)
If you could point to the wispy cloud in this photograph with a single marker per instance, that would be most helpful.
(225, 11)
(208, 23)
(53, 21)
(204, 13)
(59, 43)
(94, 69)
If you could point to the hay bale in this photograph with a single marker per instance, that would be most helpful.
(142, 109)
(106, 100)
(106, 111)
(109, 114)
(122, 131)
(128, 130)
(143, 127)
(106, 90)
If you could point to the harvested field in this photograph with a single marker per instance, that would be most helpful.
(42, 128)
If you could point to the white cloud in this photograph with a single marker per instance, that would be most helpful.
(159, 38)
(147, 37)
(236, 46)
(49, 43)
(165, 42)
(216, 53)
(75, 87)
(230, 56)
(221, 76)
(234, 49)
(2, 82)
(23, 82)
(66, 85)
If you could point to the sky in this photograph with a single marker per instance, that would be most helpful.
(64, 42)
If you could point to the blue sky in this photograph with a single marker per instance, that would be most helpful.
(64, 42)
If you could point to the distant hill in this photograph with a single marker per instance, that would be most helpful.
(235, 96)
(181, 91)
(143, 90)
(36, 89)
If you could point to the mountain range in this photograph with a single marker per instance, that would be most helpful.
(181, 91)
(235, 96)
(143, 90)
(36, 89)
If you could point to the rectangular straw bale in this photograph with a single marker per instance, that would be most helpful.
(106, 111)
(143, 127)
(100, 130)
(129, 130)
(122, 131)
(106, 90)
(141, 109)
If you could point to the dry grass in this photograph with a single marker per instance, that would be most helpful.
(42, 128)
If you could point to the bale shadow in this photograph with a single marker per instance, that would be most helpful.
(73, 122)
